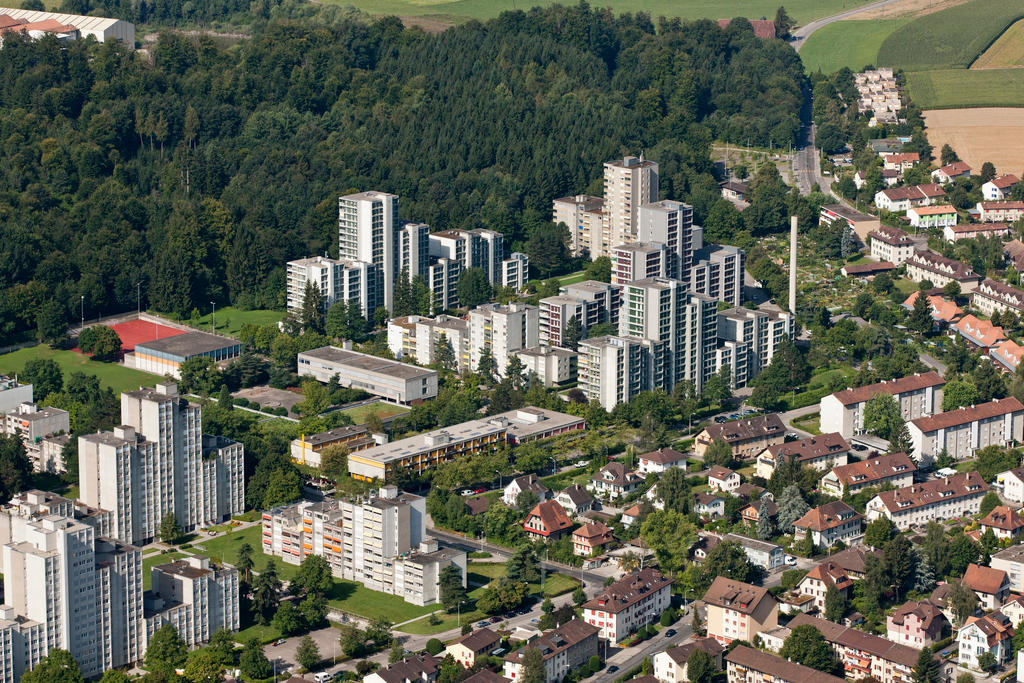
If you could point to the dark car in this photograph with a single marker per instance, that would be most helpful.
(669, 633)
(720, 418)
(495, 620)
(612, 669)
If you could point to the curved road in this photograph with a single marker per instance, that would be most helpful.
(803, 33)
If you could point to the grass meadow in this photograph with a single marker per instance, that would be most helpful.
(117, 377)
(853, 44)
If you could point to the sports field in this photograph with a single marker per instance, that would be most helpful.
(140, 331)
(853, 44)
(979, 135)
(117, 377)
(1007, 51)
(457, 11)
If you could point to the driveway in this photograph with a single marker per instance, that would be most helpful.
(625, 658)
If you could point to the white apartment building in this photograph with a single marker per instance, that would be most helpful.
(629, 183)
(717, 272)
(991, 296)
(760, 332)
(999, 188)
(417, 337)
(939, 499)
(379, 542)
(484, 249)
(563, 649)
(584, 216)
(13, 394)
(367, 231)
(413, 249)
(965, 430)
(157, 462)
(515, 271)
(33, 425)
(940, 271)
(551, 364)
(350, 281)
(637, 261)
(612, 370)
(671, 223)
(194, 596)
(398, 382)
(635, 600)
(1011, 561)
(891, 244)
(590, 301)
(66, 586)
(502, 329)
(442, 278)
(1000, 212)
(918, 395)
(555, 314)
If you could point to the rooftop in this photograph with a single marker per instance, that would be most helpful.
(628, 591)
(366, 363)
(747, 428)
(965, 414)
(736, 595)
(811, 448)
(188, 344)
(828, 516)
(903, 385)
(873, 469)
(776, 667)
(930, 492)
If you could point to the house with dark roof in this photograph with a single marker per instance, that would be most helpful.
(822, 452)
(635, 600)
(414, 669)
(763, 28)
(940, 499)
(563, 649)
(852, 560)
(735, 191)
(722, 479)
(747, 664)
(527, 482)
(466, 649)
(575, 500)
(991, 296)
(891, 244)
(917, 624)
(738, 611)
(829, 524)
(946, 174)
(937, 269)
(999, 188)
(1011, 484)
(709, 505)
(660, 460)
(917, 395)
(746, 437)
(752, 511)
(614, 481)
(670, 665)
(992, 586)
(896, 470)
(964, 431)
(990, 633)
(547, 520)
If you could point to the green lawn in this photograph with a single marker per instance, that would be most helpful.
(808, 423)
(905, 287)
(356, 598)
(955, 88)
(225, 549)
(554, 584)
(117, 377)
(150, 561)
(448, 622)
(230, 319)
(460, 10)
(853, 44)
(383, 410)
(572, 278)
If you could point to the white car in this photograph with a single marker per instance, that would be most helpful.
(790, 560)
(466, 492)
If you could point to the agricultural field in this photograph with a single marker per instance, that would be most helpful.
(457, 11)
(853, 44)
(951, 88)
(117, 377)
(986, 134)
(1007, 51)
(950, 39)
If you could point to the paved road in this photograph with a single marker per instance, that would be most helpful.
(625, 658)
(934, 363)
(801, 34)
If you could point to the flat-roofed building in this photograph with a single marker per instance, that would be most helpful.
(861, 223)
(637, 261)
(418, 337)
(917, 395)
(963, 431)
(425, 451)
(584, 216)
(502, 329)
(33, 426)
(756, 336)
(71, 26)
(398, 382)
(306, 449)
(717, 272)
(354, 282)
(552, 365)
(194, 596)
(612, 370)
(940, 499)
(515, 271)
(13, 394)
(165, 356)
(443, 282)
(530, 423)
(1011, 561)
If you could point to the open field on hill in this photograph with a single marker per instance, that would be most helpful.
(952, 38)
(1008, 50)
(457, 11)
(852, 44)
(908, 8)
(950, 88)
(980, 135)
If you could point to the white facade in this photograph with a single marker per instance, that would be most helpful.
(629, 183)
(1011, 485)
(917, 396)
(964, 431)
(502, 329)
(195, 597)
(32, 425)
(349, 281)
(612, 370)
(157, 462)
(100, 28)
(939, 499)
(418, 337)
(399, 382)
(622, 607)
(13, 394)
(760, 332)
(551, 364)
(367, 231)
(515, 271)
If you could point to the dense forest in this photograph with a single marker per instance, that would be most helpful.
(191, 171)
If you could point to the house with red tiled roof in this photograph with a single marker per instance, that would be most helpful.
(917, 624)
(822, 452)
(590, 538)
(635, 600)
(722, 479)
(895, 470)
(981, 333)
(943, 312)
(1007, 355)
(829, 524)
(999, 188)
(955, 496)
(947, 173)
(936, 216)
(992, 586)
(1000, 212)
(917, 395)
(1004, 522)
(902, 161)
(763, 28)
(991, 296)
(897, 199)
(547, 520)
(990, 633)
(1014, 251)
(964, 431)
(970, 231)
(816, 583)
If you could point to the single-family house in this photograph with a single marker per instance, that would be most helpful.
(891, 244)
(746, 437)
(412, 669)
(722, 479)
(946, 174)
(896, 470)
(735, 191)
(829, 524)
(1014, 609)
(660, 460)
(630, 515)
(709, 505)
(999, 188)
(738, 611)
(852, 560)
(527, 482)
(614, 481)
(670, 665)
(466, 649)
(936, 216)
(547, 520)
(1011, 483)
(575, 500)
(889, 178)
(992, 586)
(990, 633)
(817, 582)
(902, 161)
(822, 452)
(590, 539)
(917, 624)
(752, 511)
(1004, 522)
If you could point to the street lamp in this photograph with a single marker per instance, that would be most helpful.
(459, 617)
(213, 319)
(138, 297)
(83, 314)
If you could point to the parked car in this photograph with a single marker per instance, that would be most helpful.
(482, 624)
(279, 641)
(480, 490)
(495, 620)
(466, 492)
(669, 633)
(790, 560)
(612, 669)
(720, 419)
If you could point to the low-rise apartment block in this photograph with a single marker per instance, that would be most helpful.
(991, 633)
(991, 296)
(420, 338)
(970, 231)
(1000, 212)
(379, 542)
(897, 199)
(747, 437)
(861, 223)
(739, 611)
(425, 451)
(670, 665)
(747, 665)
(917, 624)
(635, 600)
(829, 524)
(822, 452)
(398, 382)
(999, 188)
(917, 395)
(825, 576)
(939, 499)
(896, 470)
(34, 426)
(553, 365)
(979, 333)
(760, 553)
(891, 244)
(949, 172)
(563, 649)
(940, 271)
(531, 423)
(963, 431)
(306, 449)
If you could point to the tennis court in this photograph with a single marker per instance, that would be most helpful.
(135, 332)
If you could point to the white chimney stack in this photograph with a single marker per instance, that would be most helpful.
(792, 264)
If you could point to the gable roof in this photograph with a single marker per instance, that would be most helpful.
(720, 473)
(955, 169)
(664, 456)
(882, 467)
(529, 482)
(619, 475)
(893, 387)
(550, 643)
(478, 640)
(627, 591)
(831, 574)
(936, 210)
(984, 579)
(1008, 352)
(995, 627)
(981, 332)
(1002, 517)
(852, 559)
(1005, 181)
(964, 415)
(748, 428)
(811, 448)
(929, 613)
(776, 667)
(681, 653)
(903, 157)
(410, 669)
(827, 516)
(708, 498)
(552, 517)
(889, 234)
(929, 492)
(763, 28)
(577, 494)
(595, 533)
(859, 640)
(736, 595)
(947, 267)
(946, 311)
